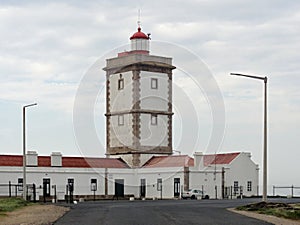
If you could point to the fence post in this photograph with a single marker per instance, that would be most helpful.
(9, 188)
(292, 190)
(273, 190)
(67, 193)
(34, 192)
(216, 191)
(55, 196)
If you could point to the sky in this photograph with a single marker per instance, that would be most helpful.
(49, 49)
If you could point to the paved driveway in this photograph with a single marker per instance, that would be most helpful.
(157, 212)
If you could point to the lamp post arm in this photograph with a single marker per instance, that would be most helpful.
(29, 105)
(250, 76)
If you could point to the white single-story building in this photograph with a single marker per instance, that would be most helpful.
(219, 176)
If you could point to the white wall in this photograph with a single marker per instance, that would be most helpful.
(154, 135)
(121, 100)
(243, 169)
(82, 180)
(121, 135)
(167, 175)
(209, 181)
(154, 99)
(140, 44)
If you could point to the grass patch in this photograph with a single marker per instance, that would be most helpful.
(10, 204)
(289, 211)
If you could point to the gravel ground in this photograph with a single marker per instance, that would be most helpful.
(34, 215)
(268, 218)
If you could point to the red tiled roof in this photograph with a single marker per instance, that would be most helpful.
(11, 160)
(44, 161)
(78, 162)
(156, 161)
(170, 161)
(93, 162)
(225, 158)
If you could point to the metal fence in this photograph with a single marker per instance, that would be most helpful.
(16, 190)
(288, 191)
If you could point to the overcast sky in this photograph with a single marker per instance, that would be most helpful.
(48, 47)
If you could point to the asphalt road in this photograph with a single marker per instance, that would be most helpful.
(158, 212)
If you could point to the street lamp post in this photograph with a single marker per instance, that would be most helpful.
(265, 79)
(24, 150)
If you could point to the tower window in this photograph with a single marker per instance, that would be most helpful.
(153, 119)
(121, 84)
(120, 120)
(154, 83)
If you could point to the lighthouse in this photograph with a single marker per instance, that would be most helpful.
(138, 103)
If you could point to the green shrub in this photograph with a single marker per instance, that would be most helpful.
(10, 204)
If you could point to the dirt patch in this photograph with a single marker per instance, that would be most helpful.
(34, 215)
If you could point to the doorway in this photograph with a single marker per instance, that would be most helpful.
(143, 188)
(119, 187)
(176, 187)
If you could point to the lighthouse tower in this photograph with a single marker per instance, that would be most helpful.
(138, 103)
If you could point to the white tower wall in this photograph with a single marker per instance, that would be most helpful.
(154, 135)
(121, 100)
(154, 98)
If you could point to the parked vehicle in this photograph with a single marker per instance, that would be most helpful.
(194, 194)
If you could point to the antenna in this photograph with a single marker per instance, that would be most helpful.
(139, 18)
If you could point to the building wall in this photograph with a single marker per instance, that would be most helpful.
(121, 135)
(154, 99)
(243, 169)
(154, 135)
(207, 180)
(120, 100)
(167, 175)
(82, 180)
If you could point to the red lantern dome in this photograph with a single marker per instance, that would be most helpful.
(139, 35)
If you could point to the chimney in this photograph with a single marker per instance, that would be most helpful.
(31, 158)
(198, 160)
(56, 159)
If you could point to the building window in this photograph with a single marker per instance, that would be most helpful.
(143, 188)
(93, 184)
(159, 184)
(153, 119)
(46, 186)
(249, 186)
(20, 184)
(121, 83)
(71, 185)
(120, 120)
(235, 187)
(154, 83)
